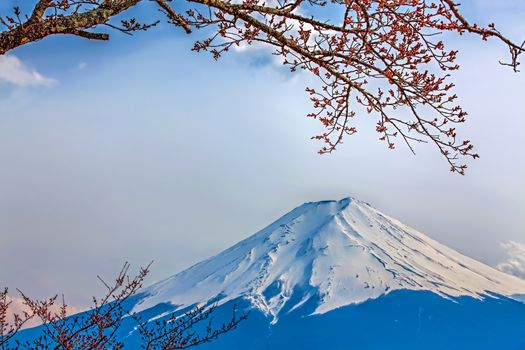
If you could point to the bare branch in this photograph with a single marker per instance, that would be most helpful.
(374, 57)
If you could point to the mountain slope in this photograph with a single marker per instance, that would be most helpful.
(335, 253)
(341, 275)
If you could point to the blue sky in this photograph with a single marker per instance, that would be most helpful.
(138, 149)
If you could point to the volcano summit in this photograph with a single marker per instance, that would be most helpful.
(342, 275)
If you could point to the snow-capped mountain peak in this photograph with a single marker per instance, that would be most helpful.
(340, 252)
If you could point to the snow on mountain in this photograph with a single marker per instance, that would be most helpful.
(341, 252)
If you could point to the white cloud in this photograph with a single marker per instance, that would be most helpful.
(515, 263)
(13, 71)
(81, 65)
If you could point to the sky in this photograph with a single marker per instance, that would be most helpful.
(139, 149)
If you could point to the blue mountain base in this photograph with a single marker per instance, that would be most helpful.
(404, 320)
(400, 320)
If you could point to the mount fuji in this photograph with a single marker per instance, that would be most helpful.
(342, 275)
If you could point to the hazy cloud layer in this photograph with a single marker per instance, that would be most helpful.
(17, 307)
(515, 263)
(13, 71)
